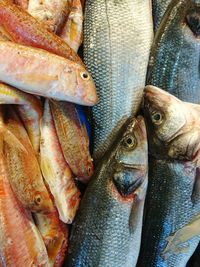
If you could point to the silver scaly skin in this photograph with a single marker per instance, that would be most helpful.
(159, 9)
(107, 229)
(117, 41)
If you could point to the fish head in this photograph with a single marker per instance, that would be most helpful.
(85, 86)
(130, 159)
(164, 114)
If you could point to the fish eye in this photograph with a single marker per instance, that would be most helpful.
(130, 142)
(85, 76)
(157, 117)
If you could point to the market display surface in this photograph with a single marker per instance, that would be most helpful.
(99, 133)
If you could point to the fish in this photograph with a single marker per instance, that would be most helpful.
(172, 127)
(168, 207)
(55, 236)
(22, 3)
(23, 169)
(159, 9)
(107, 228)
(31, 32)
(112, 53)
(69, 130)
(175, 54)
(56, 171)
(52, 13)
(72, 31)
(21, 243)
(42, 73)
(30, 111)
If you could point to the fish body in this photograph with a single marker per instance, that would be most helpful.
(107, 228)
(55, 236)
(56, 171)
(117, 56)
(70, 129)
(159, 9)
(29, 108)
(52, 13)
(21, 243)
(22, 3)
(175, 56)
(23, 169)
(168, 208)
(39, 72)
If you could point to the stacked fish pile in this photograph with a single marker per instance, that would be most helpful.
(142, 205)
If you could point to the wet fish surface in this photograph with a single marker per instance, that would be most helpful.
(175, 56)
(107, 229)
(116, 55)
(159, 9)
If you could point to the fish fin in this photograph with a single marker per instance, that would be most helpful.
(135, 214)
(196, 188)
(193, 22)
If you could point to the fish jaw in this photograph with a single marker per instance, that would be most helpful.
(69, 130)
(56, 171)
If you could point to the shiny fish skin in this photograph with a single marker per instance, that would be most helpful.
(29, 108)
(31, 32)
(39, 72)
(56, 172)
(69, 130)
(168, 207)
(116, 55)
(159, 9)
(21, 243)
(22, 3)
(23, 169)
(175, 56)
(107, 228)
(55, 236)
(51, 12)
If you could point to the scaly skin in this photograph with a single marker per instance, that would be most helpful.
(55, 236)
(22, 3)
(51, 12)
(39, 72)
(30, 111)
(26, 30)
(21, 243)
(23, 169)
(69, 130)
(72, 31)
(57, 173)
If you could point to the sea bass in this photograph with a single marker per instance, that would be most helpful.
(56, 171)
(117, 56)
(107, 229)
(70, 129)
(159, 9)
(39, 72)
(23, 169)
(175, 56)
(21, 243)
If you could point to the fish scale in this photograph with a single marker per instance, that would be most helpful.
(168, 208)
(117, 62)
(159, 8)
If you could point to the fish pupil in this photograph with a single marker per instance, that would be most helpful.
(157, 117)
(129, 141)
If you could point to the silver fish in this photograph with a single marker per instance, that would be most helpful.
(107, 229)
(159, 9)
(117, 41)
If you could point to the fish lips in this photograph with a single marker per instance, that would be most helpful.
(128, 179)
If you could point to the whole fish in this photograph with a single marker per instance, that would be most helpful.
(72, 31)
(21, 243)
(159, 9)
(168, 208)
(173, 130)
(116, 53)
(52, 13)
(56, 172)
(175, 56)
(39, 72)
(55, 236)
(29, 108)
(25, 29)
(107, 228)
(70, 129)
(23, 169)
